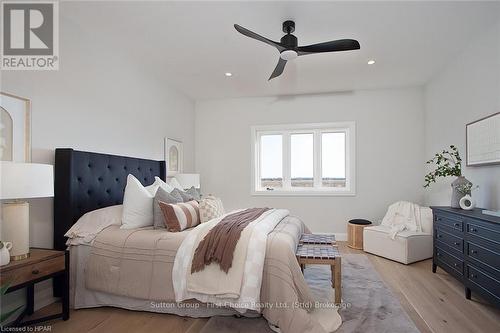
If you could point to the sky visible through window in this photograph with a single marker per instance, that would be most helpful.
(332, 151)
(302, 155)
(333, 155)
(271, 156)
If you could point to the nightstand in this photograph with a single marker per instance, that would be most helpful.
(42, 264)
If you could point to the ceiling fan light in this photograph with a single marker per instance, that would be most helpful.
(288, 55)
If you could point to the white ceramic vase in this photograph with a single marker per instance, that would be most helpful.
(467, 202)
(456, 195)
(5, 253)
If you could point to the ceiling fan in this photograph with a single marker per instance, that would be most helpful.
(289, 49)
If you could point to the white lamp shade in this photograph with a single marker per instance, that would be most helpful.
(188, 180)
(26, 180)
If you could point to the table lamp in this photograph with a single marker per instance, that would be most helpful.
(188, 180)
(21, 181)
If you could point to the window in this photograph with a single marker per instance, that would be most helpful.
(271, 166)
(304, 159)
(333, 159)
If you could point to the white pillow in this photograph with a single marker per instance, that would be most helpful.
(151, 188)
(89, 225)
(174, 183)
(167, 187)
(137, 204)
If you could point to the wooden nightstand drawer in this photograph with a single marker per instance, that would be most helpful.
(25, 274)
(42, 264)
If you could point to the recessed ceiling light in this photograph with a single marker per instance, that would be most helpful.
(228, 74)
(371, 62)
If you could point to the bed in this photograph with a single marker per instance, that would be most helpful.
(87, 181)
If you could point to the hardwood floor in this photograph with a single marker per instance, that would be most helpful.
(435, 303)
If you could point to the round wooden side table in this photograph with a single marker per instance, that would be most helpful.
(355, 233)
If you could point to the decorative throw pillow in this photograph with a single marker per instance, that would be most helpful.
(194, 192)
(180, 216)
(172, 181)
(137, 204)
(167, 187)
(210, 208)
(185, 196)
(163, 196)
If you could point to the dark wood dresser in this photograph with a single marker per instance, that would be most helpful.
(467, 246)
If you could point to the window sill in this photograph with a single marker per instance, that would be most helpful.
(304, 193)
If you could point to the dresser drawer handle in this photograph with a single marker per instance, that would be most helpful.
(457, 243)
(472, 275)
(473, 251)
(438, 219)
(473, 229)
(440, 236)
(35, 271)
(456, 225)
(455, 264)
(438, 254)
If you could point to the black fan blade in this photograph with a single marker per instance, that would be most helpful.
(258, 37)
(333, 46)
(279, 69)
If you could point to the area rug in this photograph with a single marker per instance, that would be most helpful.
(368, 304)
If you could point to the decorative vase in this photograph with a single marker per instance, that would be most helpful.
(4, 253)
(467, 202)
(456, 195)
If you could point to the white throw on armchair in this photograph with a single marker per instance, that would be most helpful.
(405, 234)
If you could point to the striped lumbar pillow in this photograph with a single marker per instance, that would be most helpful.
(180, 216)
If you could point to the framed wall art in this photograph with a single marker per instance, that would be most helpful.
(483, 141)
(173, 156)
(15, 128)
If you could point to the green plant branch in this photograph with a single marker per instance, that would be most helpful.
(448, 163)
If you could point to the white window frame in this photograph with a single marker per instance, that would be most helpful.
(348, 127)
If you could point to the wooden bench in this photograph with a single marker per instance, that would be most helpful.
(323, 254)
(317, 239)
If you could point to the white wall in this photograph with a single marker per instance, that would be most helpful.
(97, 101)
(467, 89)
(389, 126)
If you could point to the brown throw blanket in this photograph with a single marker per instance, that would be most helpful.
(219, 244)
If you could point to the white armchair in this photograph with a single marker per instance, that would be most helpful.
(407, 247)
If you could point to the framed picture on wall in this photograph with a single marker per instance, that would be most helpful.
(15, 128)
(173, 156)
(483, 141)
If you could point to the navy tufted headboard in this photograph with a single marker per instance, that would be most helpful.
(86, 181)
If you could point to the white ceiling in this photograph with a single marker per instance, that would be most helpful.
(192, 44)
